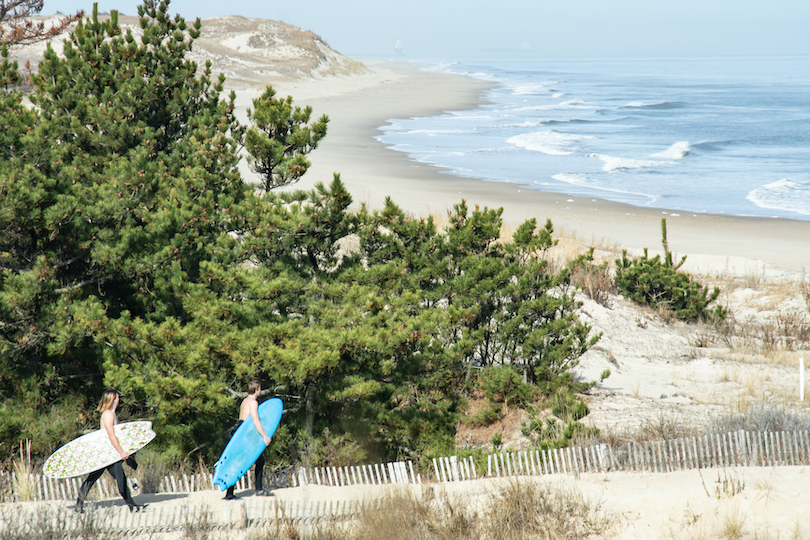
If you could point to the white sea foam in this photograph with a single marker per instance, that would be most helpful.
(785, 194)
(660, 105)
(549, 142)
(436, 132)
(530, 89)
(613, 163)
(564, 105)
(492, 149)
(535, 123)
(527, 123)
(469, 118)
(583, 181)
(679, 150)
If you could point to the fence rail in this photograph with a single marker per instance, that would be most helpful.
(43, 488)
(739, 448)
(118, 519)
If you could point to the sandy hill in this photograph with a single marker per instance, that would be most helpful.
(250, 52)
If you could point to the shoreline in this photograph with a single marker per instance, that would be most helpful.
(713, 243)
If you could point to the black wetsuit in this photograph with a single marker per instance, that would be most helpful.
(117, 472)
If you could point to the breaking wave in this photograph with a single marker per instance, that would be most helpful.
(785, 194)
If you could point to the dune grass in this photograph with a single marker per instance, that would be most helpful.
(518, 510)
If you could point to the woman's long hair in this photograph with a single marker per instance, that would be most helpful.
(107, 400)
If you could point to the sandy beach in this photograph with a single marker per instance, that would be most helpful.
(359, 106)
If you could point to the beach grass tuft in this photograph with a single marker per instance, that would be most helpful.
(25, 484)
(732, 524)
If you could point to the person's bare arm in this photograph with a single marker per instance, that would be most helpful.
(107, 422)
(254, 414)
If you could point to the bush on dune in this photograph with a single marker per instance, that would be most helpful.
(659, 284)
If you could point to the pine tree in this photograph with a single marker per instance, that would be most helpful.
(280, 139)
(660, 283)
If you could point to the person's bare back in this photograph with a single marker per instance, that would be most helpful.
(250, 408)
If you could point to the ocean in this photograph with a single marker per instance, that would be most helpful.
(705, 135)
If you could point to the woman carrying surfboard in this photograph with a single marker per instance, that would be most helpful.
(108, 406)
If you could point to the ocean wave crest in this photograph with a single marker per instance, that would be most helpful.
(786, 194)
(564, 105)
(527, 124)
(535, 123)
(661, 105)
(679, 150)
(530, 89)
(709, 146)
(549, 142)
(570, 121)
(613, 163)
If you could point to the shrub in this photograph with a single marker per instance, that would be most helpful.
(486, 415)
(658, 284)
(559, 430)
(502, 384)
(566, 405)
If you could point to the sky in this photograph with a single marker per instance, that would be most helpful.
(452, 30)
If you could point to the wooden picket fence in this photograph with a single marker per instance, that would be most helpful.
(739, 448)
(117, 519)
(717, 450)
(397, 472)
(43, 488)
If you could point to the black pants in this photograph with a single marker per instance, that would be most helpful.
(117, 472)
(258, 481)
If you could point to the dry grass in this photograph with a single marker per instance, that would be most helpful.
(770, 319)
(518, 510)
(760, 416)
(24, 484)
(52, 523)
(198, 526)
(597, 282)
(732, 524)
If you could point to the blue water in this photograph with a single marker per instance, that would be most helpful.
(711, 135)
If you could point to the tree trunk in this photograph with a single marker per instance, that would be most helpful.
(310, 406)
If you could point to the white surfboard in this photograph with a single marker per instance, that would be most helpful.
(94, 451)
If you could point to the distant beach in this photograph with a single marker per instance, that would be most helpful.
(359, 106)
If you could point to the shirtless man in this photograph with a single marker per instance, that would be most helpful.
(250, 408)
(107, 406)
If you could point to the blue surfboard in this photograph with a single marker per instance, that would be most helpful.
(246, 445)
